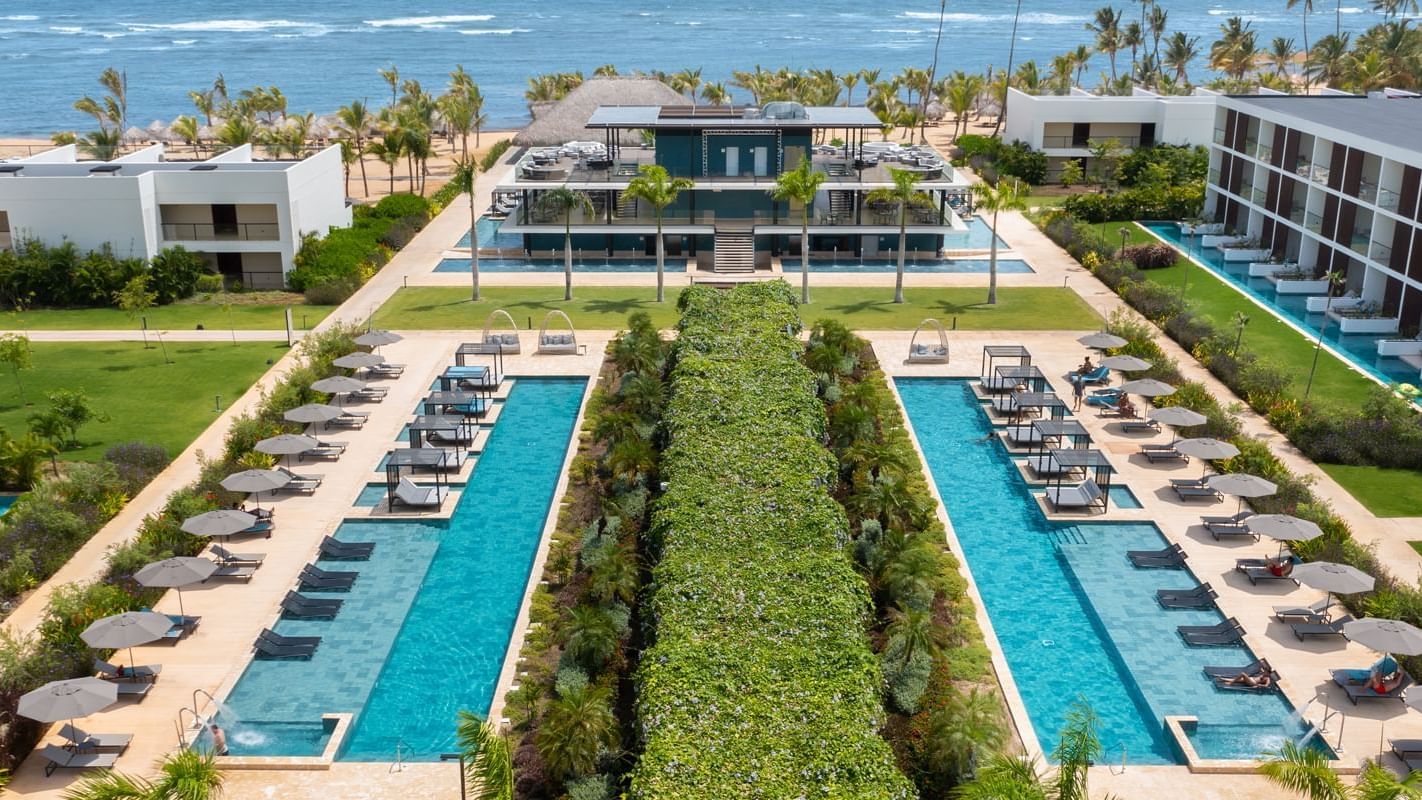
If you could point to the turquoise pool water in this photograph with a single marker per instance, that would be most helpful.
(1075, 619)
(977, 237)
(424, 631)
(1360, 349)
(556, 265)
(489, 235)
(6, 501)
(1005, 266)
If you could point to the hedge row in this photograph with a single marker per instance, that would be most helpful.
(330, 268)
(761, 682)
(34, 274)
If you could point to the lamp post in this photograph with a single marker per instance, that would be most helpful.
(1333, 278)
(1240, 320)
(460, 758)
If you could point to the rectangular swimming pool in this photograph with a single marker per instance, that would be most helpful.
(424, 631)
(1075, 619)
(591, 263)
(976, 266)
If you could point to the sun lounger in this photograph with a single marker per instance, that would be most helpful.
(1105, 402)
(454, 436)
(229, 558)
(1407, 749)
(350, 419)
(1138, 425)
(1316, 612)
(1233, 519)
(59, 758)
(1187, 482)
(1172, 557)
(1222, 635)
(315, 579)
(1303, 630)
(1260, 569)
(269, 635)
(1098, 375)
(233, 572)
(330, 450)
(182, 626)
(296, 604)
(262, 526)
(141, 673)
(1201, 493)
(136, 691)
(298, 482)
(113, 742)
(267, 649)
(346, 551)
(387, 370)
(417, 496)
(370, 394)
(1202, 596)
(1223, 676)
(1163, 452)
(1220, 531)
(1362, 691)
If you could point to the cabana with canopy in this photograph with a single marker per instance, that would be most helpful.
(1083, 482)
(995, 355)
(406, 461)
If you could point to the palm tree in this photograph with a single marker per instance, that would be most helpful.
(355, 120)
(101, 144)
(1180, 50)
(1328, 60)
(716, 94)
(801, 185)
(576, 729)
(1007, 73)
(1017, 777)
(1133, 37)
(1234, 53)
(912, 632)
(466, 174)
(1106, 25)
(1305, 771)
(655, 185)
(615, 577)
(1307, 9)
(186, 128)
(850, 80)
(1281, 53)
(1003, 777)
(964, 727)
(184, 775)
(1003, 197)
(1390, 9)
(1157, 22)
(391, 76)
(487, 757)
(563, 201)
(904, 194)
(1082, 56)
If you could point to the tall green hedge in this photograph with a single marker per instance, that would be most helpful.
(761, 682)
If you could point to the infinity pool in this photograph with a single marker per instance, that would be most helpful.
(424, 631)
(489, 235)
(1074, 618)
(1360, 349)
(556, 265)
(1005, 266)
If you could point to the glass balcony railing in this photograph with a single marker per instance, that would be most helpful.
(1265, 153)
(1367, 191)
(1319, 175)
(1380, 253)
(1296, 215)
(1302, 168)
(1259, 197)
(1359, 242)
(1387, 199)
(1314, 223)
(1219, 135)
(1214, 177)
(1250, 145)
(221, 232)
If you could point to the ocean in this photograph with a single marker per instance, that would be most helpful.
(325, 54)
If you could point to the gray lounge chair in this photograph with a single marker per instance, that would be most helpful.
(1134, 425)
(1080, 496)
(113, 672)
(1259, 569)
(370, 394)
(1359, 691)
(1223, 675)
(387, 370)
(1314, 612)
(1172, 557)
(1222, 635)
(417, 496)
(112, 742)
(135, 691)
(350, 419)
(313, 578)
(1188, 482)
(1227, 531)
(1233, 519)
(269, 635)
(268, 650)
(59, 758)
(1202, 596)
(1409, 750)
(298, 605)
(1197, 493)
(331, 450)
(231, 559)
(346, 551)
(1163, 452)
(232, 572)
(299, 483)
(1303, 630)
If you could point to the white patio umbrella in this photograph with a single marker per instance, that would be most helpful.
(1385, 635)
(77, 697)
(1241, 485)
(1332, 578)
(1101, 340)
(1125, 363)
(127, 631)
(175, 573)
(1176, 417)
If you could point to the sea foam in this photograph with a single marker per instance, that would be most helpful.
(427, 22)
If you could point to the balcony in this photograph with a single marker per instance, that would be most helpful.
(1380, 253)
(1259, 197)
(1313, 223)
(225, 232)
(1387, 200)
(1359, 242)
(1265, 153)
(1214, 177)
(1071, 142)
(1219, 136)
(1296, 215)
(1366, 317)
(1319, 175)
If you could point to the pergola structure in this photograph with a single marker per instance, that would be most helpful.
(995, 355)
(407, 460)
(1082, 463)
(492, 350)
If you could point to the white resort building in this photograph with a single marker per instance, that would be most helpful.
(245, 217)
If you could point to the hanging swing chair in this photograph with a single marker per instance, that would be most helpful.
(507, 340)
(557, 344)
(927, 351)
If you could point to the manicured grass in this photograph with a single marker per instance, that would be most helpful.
(1416, 546)
(1044, 200)
(606, 308)
(175, 317)
(1386, 492)
(143, 398)
(1334, 383)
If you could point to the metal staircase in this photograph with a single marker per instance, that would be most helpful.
(841, 204)
(735, 250)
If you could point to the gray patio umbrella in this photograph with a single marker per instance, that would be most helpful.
(338, 384)
(1177, 416)
(1385, 635)
(255, 481)
(1147, 387)
(127, 630)
(359, 360)
(1125, 363)
(377, 338)
(219, 523)
(175, 573)
(1238, 484)
(288, 445)
(1101, 340)
(76, 697)
(1332, 578)
(312, 412)
(1206, 449)
(1286, 528)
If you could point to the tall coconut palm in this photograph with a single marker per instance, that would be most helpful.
(1307, 8)
(487, 757)
(1007, 73)
(466, 174)
(1180, 50)
(1327, 61)
(563, 201)
(1133, 38)
(1390, 9)
(904, 194)
(1281, 54)
(1235, 52)
(355, 120)
(1003, 197)
(1157, 22)
(576, 729)
(391, 76)
(715, 94)
(1106, 26)
(656, 187)
(850, 80)
(801, 185)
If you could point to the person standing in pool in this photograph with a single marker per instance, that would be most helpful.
(219, 740)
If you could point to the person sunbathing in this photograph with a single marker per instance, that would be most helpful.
(1281, 567)
(1261, 681)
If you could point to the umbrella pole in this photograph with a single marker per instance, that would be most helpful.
(183, 612)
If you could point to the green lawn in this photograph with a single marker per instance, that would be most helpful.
(143, 398)
(606, 308)
(176, 317)
(1385, 492)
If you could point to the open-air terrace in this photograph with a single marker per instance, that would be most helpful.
(881, 215)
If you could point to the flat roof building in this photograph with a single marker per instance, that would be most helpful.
(245, 217)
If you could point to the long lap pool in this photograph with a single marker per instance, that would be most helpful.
(1075, 619)
(424, 631)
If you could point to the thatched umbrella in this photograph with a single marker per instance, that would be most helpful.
(567, 120)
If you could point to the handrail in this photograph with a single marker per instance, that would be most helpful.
(216, 705)
(197, 723)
